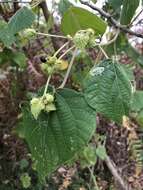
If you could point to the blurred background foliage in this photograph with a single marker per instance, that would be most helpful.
(21, 55)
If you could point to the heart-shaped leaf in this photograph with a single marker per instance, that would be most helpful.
(22, 19)
(56, 136)
(76, 18)
(108, 90)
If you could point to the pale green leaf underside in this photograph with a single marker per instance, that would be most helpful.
(76, 18)
(109, 91)
(55, 137)
(22, 19)
(6, 36)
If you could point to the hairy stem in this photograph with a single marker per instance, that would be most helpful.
(58, 51)
(68, 70)
(52, 35)
(66, 52)
(93, 178)
(104, 53)
(110, 41)
(47, 84)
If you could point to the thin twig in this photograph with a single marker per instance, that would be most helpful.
(110, 41)
(104, 53)
(115, 173)
(93, 178)
(68, 70)
(47, 84)
(15, 1)
(68, 50)
(35, 4)
(51, 35)
(136, 17)
(98, 57)
(62, 47)
(110, 19)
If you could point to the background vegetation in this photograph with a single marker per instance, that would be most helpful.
(87, 63)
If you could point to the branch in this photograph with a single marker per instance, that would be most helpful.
(44, 8)
(116, 175)
(111, 20)
(16, 6)
(47, 84)
(14, 1)
(52, 35)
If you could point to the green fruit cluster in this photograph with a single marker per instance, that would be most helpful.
(45, 103)
(52, 65)
(84, 38)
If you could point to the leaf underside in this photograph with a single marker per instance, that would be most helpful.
(76, 18)
(22, 19)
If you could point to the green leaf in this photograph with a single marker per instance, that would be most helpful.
(115, 3)
(23, 19)
(76, 19)
(55, 137)
(139, 118)
(137, 102)
(13, 58)
(123, 45)
(6, 37)
(25, 180)
(79, 72)
(90, 155)
(108, 90)
(6, 56)
(2, 24)
(129, 71)
(128, 11)
(23, 164)
(20, 59)
(63, 6)
(134, 54)
(101, 152)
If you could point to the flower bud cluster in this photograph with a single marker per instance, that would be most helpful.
(45, 103)
(84, 38)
